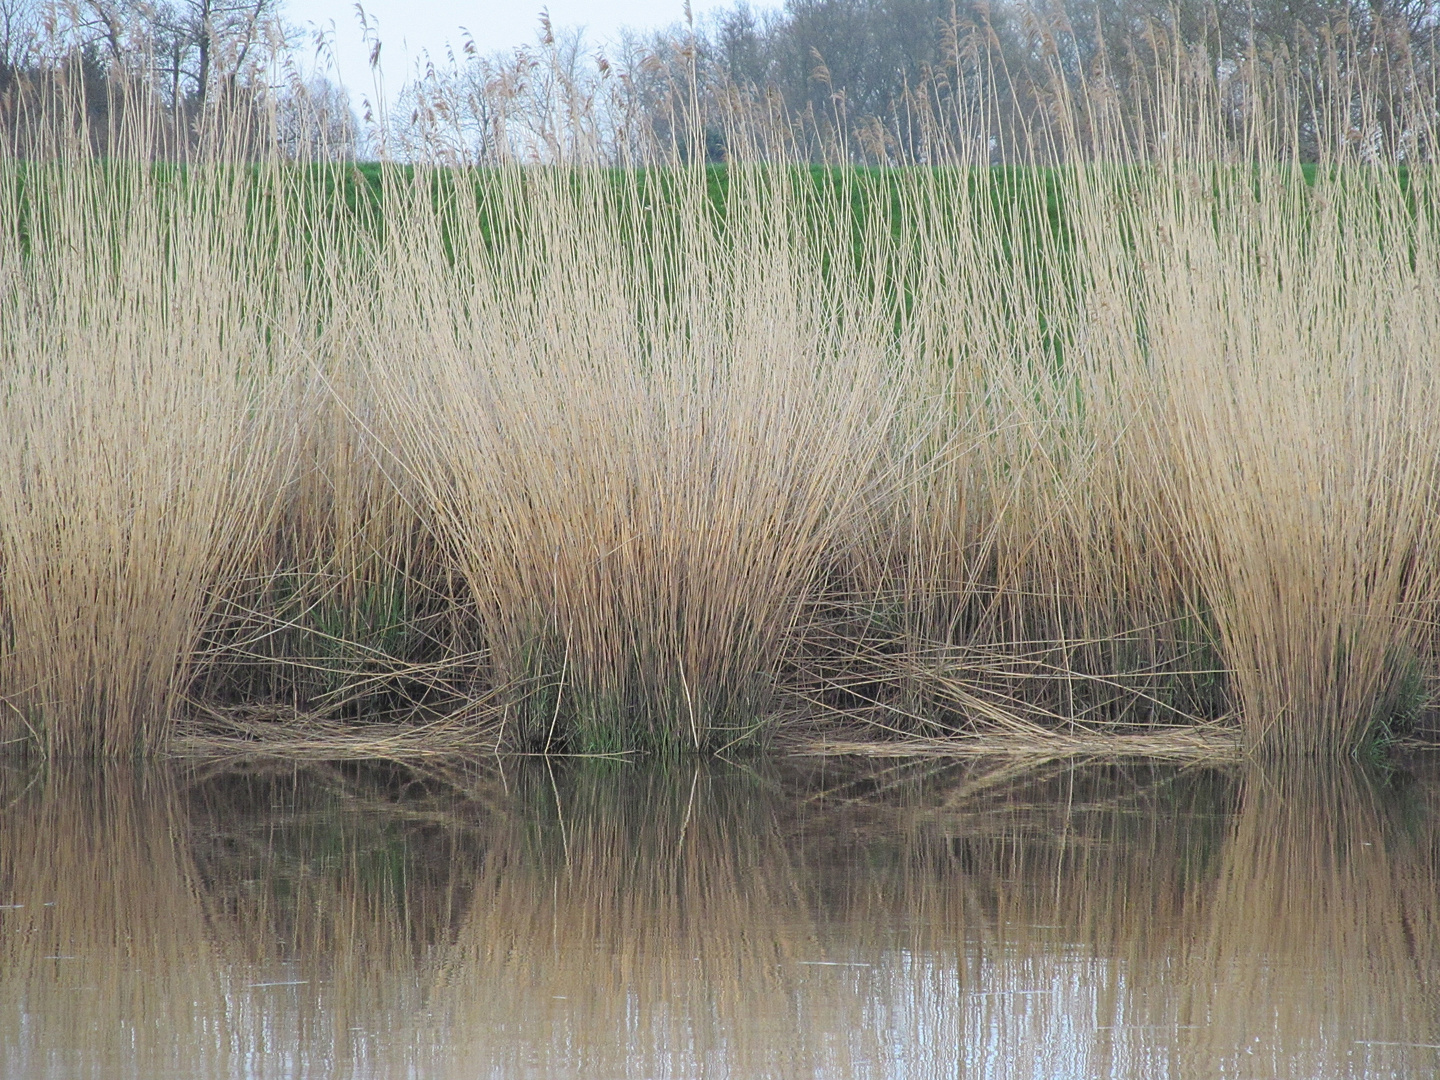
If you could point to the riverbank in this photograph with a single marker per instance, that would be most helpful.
(592, 461)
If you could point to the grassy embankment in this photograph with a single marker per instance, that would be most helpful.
(557, 458)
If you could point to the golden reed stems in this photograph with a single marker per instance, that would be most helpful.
(596, 460)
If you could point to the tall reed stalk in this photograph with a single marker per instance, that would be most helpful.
(641, 431)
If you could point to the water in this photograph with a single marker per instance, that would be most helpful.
(788, 919)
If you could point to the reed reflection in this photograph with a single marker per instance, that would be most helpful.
(1319, 955)
(107, 964)
(593, 918)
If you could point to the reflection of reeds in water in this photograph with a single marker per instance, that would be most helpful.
(826, 920)
(327, 903)
(146, 938)
(1186, 927)
(106, 963)
(1319, 954)
(663, 929)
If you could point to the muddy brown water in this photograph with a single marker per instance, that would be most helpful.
(789, 919)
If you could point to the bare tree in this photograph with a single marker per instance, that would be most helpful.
(200, 48)
(314, 120)
(210, 44)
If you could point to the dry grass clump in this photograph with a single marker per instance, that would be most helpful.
(641, 435)
(1191, 440)
(585, 459)
(142, 344)
(1270, 365)
(1295, 455)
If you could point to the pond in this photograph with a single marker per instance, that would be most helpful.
(786, 918)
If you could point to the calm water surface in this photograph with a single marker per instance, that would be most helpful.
(593, 919)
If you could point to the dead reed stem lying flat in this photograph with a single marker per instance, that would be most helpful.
(1212, 746)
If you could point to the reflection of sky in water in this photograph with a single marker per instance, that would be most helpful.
(337, 923)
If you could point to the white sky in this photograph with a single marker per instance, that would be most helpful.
(408, 28)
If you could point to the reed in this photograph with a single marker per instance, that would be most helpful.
(641, 437)
(139, 460)
(568, 458)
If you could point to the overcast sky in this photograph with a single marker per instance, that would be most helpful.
(410, 27)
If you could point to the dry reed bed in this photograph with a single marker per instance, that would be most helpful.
(563, 458)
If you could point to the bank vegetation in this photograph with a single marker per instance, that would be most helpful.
(1115, 421)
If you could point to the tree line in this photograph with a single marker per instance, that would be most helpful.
(856, 80)
(186, 61)
(882, 81)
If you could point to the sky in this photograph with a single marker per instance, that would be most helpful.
(408, 28)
